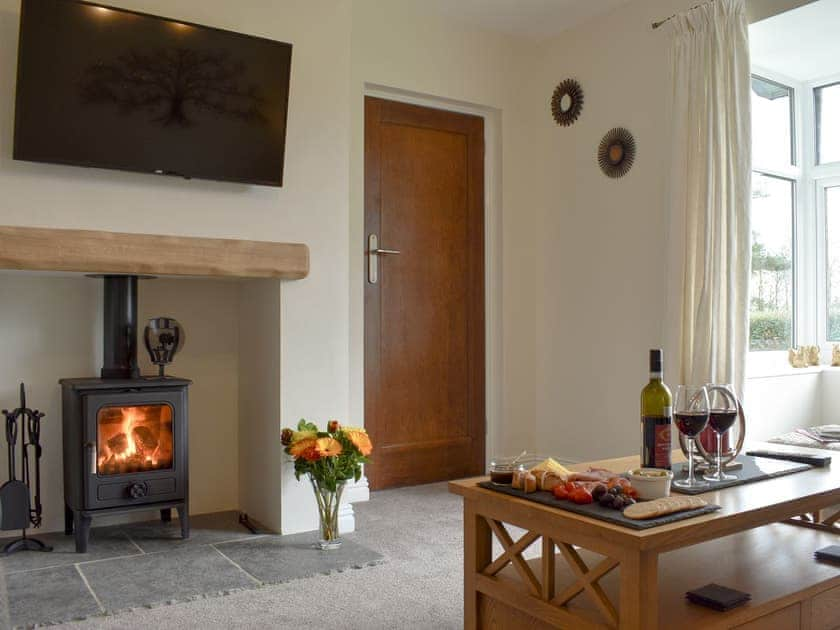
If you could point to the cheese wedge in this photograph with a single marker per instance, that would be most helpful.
(552, 466)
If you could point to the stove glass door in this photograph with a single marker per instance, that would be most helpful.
(133, 438)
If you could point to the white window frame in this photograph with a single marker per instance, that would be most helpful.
(818, 178)
(809, 225)
(766, 362)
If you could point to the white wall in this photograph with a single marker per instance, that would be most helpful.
(51, 328)
(397, 46)
(761, 9)
(577, 257)
(312, 207)
(830, 396)
(208, 310)
(601, 243)
(774, 405)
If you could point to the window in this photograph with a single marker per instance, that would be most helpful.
(832, 263)
(772, 308)
(827, 110)
(771, 278)
(772, 111)
(795, 216)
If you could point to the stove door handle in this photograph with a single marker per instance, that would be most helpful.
(91, 449)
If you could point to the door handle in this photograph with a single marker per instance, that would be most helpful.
(374, 252)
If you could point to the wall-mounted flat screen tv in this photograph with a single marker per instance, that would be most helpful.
(110, 88)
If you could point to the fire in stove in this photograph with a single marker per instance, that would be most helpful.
(134, 439)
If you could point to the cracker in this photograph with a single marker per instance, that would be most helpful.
(662, 507)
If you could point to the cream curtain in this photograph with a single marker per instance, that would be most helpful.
(710, 192)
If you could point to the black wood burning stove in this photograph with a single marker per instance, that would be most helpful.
(125, 436)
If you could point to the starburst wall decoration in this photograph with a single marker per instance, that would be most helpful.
(616, 152)
(567, 102)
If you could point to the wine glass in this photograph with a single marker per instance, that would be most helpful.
(691, 410)
(723, 411)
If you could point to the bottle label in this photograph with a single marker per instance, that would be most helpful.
(656, 440)
(662, 449)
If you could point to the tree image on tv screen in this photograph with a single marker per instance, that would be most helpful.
(173, 85)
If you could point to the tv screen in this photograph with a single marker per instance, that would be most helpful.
(110, 88)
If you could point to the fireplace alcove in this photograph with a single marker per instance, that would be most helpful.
(213, 279)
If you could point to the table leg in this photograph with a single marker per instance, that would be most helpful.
(477, 555)
(638, 605)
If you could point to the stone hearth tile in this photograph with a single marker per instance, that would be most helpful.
(46, 596)
(205, 529)
(274, 559)
(156, 578)
(104, 543)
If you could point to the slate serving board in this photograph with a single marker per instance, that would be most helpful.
(593, 510)
(753, 469)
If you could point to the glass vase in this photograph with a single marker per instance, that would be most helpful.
(328, 502)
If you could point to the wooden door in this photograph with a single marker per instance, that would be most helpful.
(424, 315)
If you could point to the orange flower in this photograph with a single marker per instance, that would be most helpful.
(328, 447)
(333, 426)
(298, 448)
(360, 439)
(311, 454)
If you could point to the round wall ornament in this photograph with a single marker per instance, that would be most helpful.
(616, 152)
(567, 102)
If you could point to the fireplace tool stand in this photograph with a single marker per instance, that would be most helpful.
(17, 512)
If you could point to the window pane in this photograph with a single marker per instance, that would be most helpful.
(827, 102)
(832, 268)
(771, 278)
(772, 139)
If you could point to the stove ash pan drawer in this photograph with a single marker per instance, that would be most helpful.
(158, 489)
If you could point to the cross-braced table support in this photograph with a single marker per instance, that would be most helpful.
(637, 605)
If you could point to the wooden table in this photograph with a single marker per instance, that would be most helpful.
(748, 545)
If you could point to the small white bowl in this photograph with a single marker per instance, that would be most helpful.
(651, 483)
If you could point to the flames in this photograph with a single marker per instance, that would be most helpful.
(131, 438)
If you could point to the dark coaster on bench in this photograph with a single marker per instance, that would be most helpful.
(718, 597)
(828, 554)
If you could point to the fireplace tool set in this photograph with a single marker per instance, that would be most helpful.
(16, 511)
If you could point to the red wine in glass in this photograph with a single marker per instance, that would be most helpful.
(691, 412)
(690, 423)
(722, 415)
(721, 420)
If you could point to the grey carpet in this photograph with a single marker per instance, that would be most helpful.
(145, 565)
(418, 530)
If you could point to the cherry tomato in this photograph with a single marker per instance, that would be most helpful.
(581, 496)
(560, 492)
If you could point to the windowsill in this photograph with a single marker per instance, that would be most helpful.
(775, 363)
(785, 371)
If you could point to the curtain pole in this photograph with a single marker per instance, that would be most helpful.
(656, 25)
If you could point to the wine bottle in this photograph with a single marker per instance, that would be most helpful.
(656, 417)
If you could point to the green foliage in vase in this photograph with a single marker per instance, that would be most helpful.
(329, 457)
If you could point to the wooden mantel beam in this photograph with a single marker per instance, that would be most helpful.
(89, 251)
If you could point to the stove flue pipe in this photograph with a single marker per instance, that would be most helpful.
(119, 358)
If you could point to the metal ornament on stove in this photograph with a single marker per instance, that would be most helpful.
(164, 337)
(616, 152)
(567, 102)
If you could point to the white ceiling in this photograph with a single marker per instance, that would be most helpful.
(803, 44)
(537, 19)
